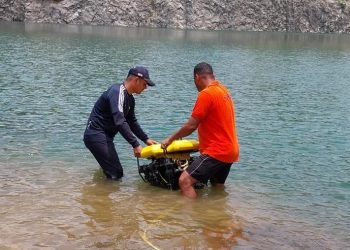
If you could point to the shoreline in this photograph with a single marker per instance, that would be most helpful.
(244, 39)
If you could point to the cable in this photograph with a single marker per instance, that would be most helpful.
(182, 167)
(144, 237)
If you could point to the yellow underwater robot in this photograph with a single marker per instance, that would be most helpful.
(176, 148)
(167, 165)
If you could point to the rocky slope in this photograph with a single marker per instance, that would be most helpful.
(253, 15)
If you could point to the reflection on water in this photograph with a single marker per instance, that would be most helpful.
(158, 220)
(104, 224)
(273, 40)
(220, 228)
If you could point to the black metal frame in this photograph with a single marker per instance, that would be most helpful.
(163, 172)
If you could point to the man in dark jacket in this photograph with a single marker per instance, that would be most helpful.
(114, 112)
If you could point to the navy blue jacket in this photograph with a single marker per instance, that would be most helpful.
(114, 112)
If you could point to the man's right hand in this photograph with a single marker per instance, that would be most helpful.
(165, 143)
(137, 151)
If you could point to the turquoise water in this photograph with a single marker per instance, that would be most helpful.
(290, 190)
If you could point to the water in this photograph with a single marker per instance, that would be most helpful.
(290, 190)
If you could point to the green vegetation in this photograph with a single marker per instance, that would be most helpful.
(342, 3)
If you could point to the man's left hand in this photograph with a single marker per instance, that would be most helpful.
(151, 142)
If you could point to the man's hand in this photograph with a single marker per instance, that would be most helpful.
(186, 129)
(151, 142)
(165, 143)
(137, 151)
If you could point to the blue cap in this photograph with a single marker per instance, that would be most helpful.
(141, 72)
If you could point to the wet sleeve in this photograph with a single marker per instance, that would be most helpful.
(133, 123)
(202, 106)
(116, 102)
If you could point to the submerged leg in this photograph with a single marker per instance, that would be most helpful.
(186, 185)
(107, 157)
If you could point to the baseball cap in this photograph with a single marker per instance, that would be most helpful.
(141, 72)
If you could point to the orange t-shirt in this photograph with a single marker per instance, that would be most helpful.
(214, 109)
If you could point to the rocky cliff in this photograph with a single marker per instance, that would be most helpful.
(252, 15)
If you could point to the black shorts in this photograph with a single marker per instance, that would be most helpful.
(205, 168)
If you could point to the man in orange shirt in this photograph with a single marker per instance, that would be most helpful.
(213, 115)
